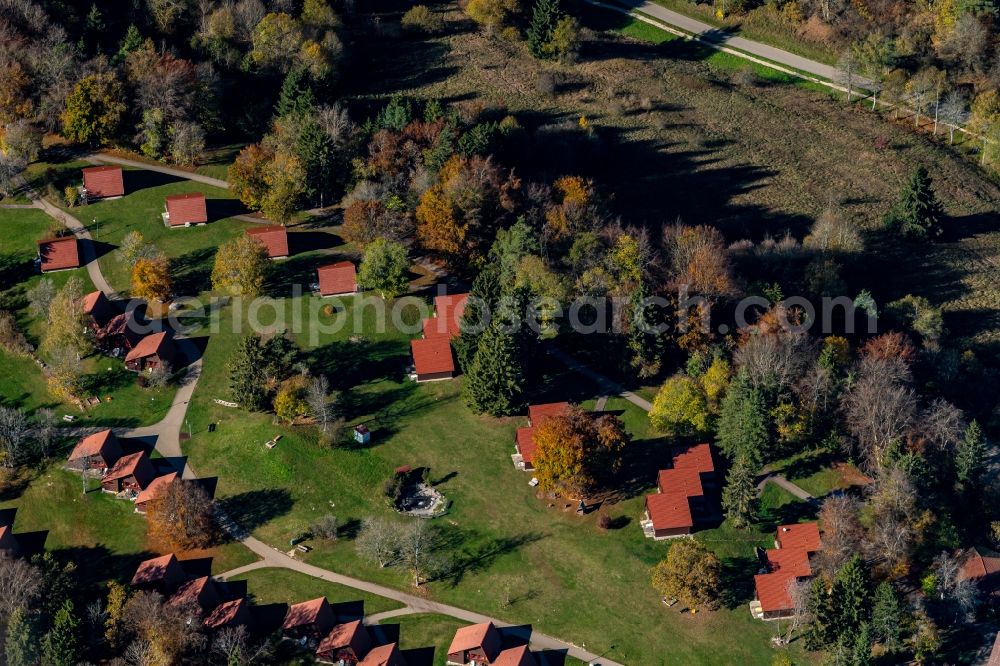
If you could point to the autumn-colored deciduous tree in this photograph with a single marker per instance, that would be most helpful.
(67, 324)
(690, 573)
(680, 408)
(291, 401)
(240, 267)
(182, 517)
(384, 268)
(285, 179)
(366, 220)
(699, 261)
(571, 211)
(15, 92)
(151, 279)
(247, 175)
(94, 110)
(576, 451)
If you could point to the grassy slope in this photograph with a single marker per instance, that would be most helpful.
(554, 562)
(282, 586)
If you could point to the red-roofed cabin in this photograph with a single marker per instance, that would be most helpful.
(98, 451)
(162, 574)
(151, 352)
(153, 491)
(697, 457)
(274, 238)
(121, 333)
(475, 645)
(346, 644)
(448, 316)
(183, 210)
(798, 535)
(667, 515)
(229, 614)
(130, 474)
(787, 564)
(384, 655)
(432, 358)
(309, 620)
(524, 438)
(9, 546)
(101, 182)
(982, 569)
(97, 306)
(517, 656)
(58, 254)
(200, 592)
(337, 279)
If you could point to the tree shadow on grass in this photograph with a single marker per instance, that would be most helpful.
(192, 271)
(97, 564)
(478, 557)
(142, 179)
(283, 275)
(220, 209)
(737, 581)
(256, 508)
(347, 364)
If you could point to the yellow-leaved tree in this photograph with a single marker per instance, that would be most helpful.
(151, 279)
(690, 573)
(577, 451)
(240, 267)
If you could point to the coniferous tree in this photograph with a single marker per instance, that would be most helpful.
(296, 93)
(863, 646)
(969, 456)
(822, 630)
(744, 424)
(483, 299)
(918, 214)
(739, 497)
(543, 23)
(888, 617)
(850, 596)
(494, 382)
(247, 375)
(21, 645)
(60, 646)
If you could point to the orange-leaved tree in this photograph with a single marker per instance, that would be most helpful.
(182, 517)
(577, 451)
(151, 279)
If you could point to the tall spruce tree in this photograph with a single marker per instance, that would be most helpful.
(969, 458)
(822, 630)
(61, 645)
(863, 643)
(543, 23)
(296, 93)
(21, 646)
(851, 596)
(888, 617)
(739, 497)
(494, 382)
(918, 214)
(483, 299)
(744, 424)
(248, 373)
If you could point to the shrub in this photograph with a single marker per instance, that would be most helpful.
(158, 376)
(12, 339)
(421, 19)
(325, 528)
(603, 521)
(393, 487)
(72, 196)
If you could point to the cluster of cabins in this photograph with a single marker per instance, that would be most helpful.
(129, 475)
(334, 638)
(108, 182)
(433, 359)
(681, 503)
(118, 334)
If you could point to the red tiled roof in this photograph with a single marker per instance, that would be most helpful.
(154, 569)
(104, 181)
(155, 488)
(307, 612)
(126, 466)
(148, 346)
(191, 591)
(526, 444)
(92, 445)
(90, 301)
(349, 634)
(383, 655)
(976, 566)
(432, 355)
(799, 535)
(483, 635)
(338, 278)
(669, 511)
(772, 591)
(228, 612)
(59, 253)
(686, 481)
(448, 321)
(517, 656)
(697, 457)
(189, 208)
(538, 412)
(791, 561)
(273, 237)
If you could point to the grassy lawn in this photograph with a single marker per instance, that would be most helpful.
(283, 586)
(550, 562)
(103, 535)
